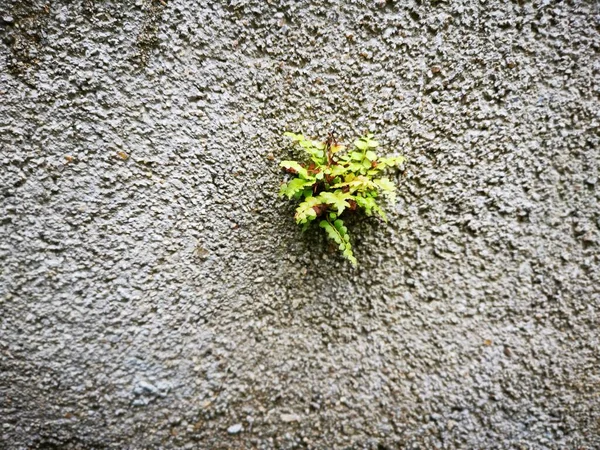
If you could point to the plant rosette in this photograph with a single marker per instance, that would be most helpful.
(337, 181)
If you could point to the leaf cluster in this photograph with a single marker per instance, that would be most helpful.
(337, 181)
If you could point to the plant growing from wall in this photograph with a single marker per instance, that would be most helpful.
(336, 182)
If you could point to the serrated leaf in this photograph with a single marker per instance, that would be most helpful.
(343, 241)
(305, 211)
(355, 183)
(367, 203)
(331, 232)
(385, 184)
(337, 199)
(349, 255)
(297, 184)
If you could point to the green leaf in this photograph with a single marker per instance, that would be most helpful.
(336, 170)
(387, 187)
(336, 148)
(385, 184)
(367, 203)
(359, 183)
(338, 234)
(331, 232)
(290, 189)
(305, 211)
(355, 167)
(392, 161)
(380, 211)
(350, 256)
(337, 199)
(356, 156)
(295, 166)
(295, 137)
(315, 151)
(360, 144)
(371, 155)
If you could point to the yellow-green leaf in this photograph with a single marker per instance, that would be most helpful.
(295, 166)
(360, 144)
(371, 155)
(295, 137)
(297, 184)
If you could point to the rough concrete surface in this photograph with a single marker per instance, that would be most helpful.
(155, 292)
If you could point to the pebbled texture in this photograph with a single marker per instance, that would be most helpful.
(155, 293)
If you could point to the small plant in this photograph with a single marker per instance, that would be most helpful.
(336, 182)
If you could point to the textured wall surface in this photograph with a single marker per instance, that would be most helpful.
(155, 293)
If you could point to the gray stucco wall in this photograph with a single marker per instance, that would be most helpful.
(156, 292)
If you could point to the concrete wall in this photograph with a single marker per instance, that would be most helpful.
(157, 294)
